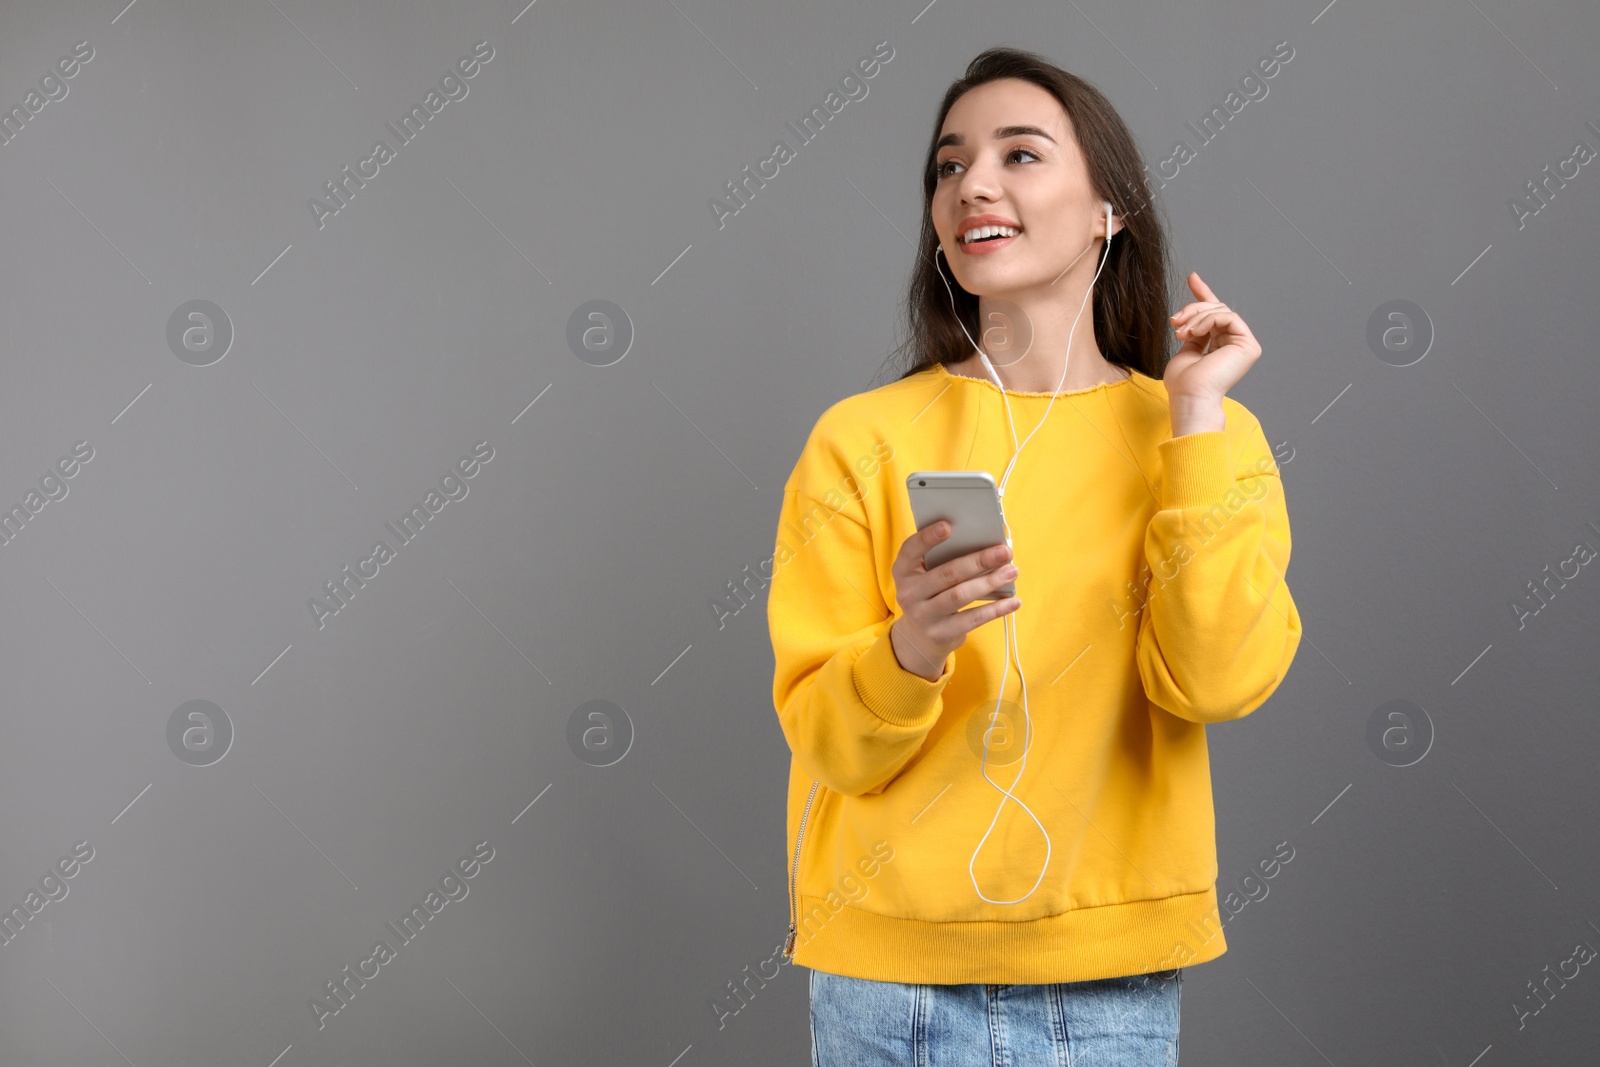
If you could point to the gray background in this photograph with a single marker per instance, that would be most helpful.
(371, 354)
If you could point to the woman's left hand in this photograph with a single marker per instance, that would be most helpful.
(1218, 348)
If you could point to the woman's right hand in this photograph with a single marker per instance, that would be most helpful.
(932, 623)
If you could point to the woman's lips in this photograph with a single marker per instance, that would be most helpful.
(979, 248)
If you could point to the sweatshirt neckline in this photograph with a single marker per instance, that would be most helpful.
(985, 383)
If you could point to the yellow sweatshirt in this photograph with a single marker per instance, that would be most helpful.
(1152, 580)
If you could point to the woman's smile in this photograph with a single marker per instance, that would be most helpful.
(982, 234)
(984, 246)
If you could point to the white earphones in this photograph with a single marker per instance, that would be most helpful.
(1006, 620)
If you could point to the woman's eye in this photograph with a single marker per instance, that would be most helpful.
(943, 170)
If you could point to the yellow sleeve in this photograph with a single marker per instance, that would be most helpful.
(852, 715)
(1219, 628)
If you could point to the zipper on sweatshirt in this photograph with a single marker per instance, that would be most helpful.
(794, 878)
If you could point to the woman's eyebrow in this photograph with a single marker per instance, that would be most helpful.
(1001, 134)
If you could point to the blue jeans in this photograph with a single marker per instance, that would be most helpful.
(1106, 1022)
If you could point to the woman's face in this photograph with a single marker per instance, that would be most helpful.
(1007, 149)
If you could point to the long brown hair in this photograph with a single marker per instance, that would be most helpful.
(1130, 298)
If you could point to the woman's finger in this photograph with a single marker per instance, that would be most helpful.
(1189, 309)
(1201, 289)
(1206, 322)
(972, 618)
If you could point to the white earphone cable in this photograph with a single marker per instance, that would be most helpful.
(1008, 626)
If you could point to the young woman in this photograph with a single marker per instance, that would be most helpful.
(1014, 864)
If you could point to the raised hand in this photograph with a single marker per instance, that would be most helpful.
(1218, 348)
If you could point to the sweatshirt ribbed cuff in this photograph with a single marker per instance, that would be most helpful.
(1197, 469)
(893, 693)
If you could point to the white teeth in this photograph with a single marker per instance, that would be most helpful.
(980, 232)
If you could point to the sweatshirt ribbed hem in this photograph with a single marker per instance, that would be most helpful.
(1197, 469)
(1076, 946)
(893, 693)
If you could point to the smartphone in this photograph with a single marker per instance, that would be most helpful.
(970, 502)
